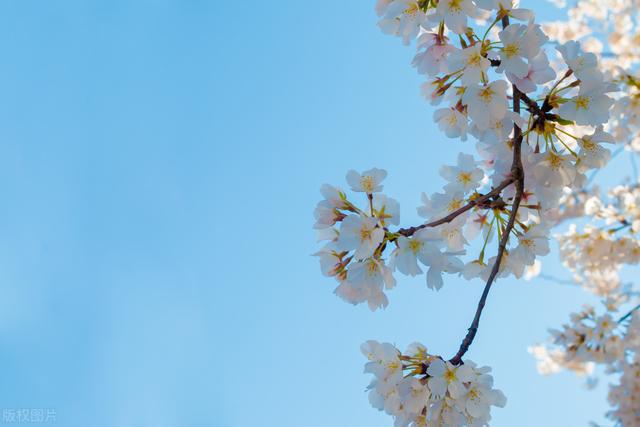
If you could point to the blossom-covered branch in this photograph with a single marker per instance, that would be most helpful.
(605, 241)
(517, 174)
(485, 201)
(474, 68)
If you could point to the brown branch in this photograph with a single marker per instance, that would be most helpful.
(517, 173)
(408, 232)
(532, 105)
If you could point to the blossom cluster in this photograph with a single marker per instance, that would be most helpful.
(355, 253)
(588, 338)
(363, 252)
(539, 127)
(607, 239)
(625, 396)
(591, 339)
(609, 30)
(479, 197)
(422, 390)
(596, 252)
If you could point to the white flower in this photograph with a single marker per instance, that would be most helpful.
(414, 394)
(498, 130)
(386, 366)
(381, 6)
(447, 396)
(386, 209)
(405, 257)
(486, 103)
(539, 72)
(503, 270)
(440, 204)
(553, 169)
(465, 176)
(330, 260)
(366, 281)
(624, 397)
(417, 351)
(432, 54)
(368, 181)
(520, 42)
(384, 361)
(326, 215)
(439, 262)
(471, 60)
(333, 195)
(474, 269)
(445, 377)
(370, 273)
(327, 211)
(593, 155)
(373, 296)
(402, 18)
(328, 233)
(590, 106)
(604, 326)
(452, 122)
(479, 222)
(451, 233)
(534, 242)
(506, 7)
(583, 64)
(480, 397)
(445, 413)
(360, 233)
(455, 13)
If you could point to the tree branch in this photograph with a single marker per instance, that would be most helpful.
(408, 232)
(629, 314)
(517, 174)
(532, 105)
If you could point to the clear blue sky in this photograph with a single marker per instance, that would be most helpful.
(159, 164)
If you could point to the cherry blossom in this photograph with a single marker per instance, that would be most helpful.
(420, 389)
(542, 125)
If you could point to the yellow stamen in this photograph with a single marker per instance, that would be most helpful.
(511, 49)
(486, 94)
(582, 102)
(367, 183)
(464, 177)
(454, 5)
(415, 246)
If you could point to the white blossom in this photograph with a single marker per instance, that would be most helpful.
(452, 122)
(455, 13)
(486, 103)
(538, 72)
(368, 181)
(521, 43)
(432, 55)
(590, 106)
(360, 234)
(472, 61)
(465, 176)
(402, 18)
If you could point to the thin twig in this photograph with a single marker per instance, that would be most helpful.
(408, 232)
(628, 315)
(557, 280)
(532, 105)
(517, 173)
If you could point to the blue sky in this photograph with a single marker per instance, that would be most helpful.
(159, 164)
